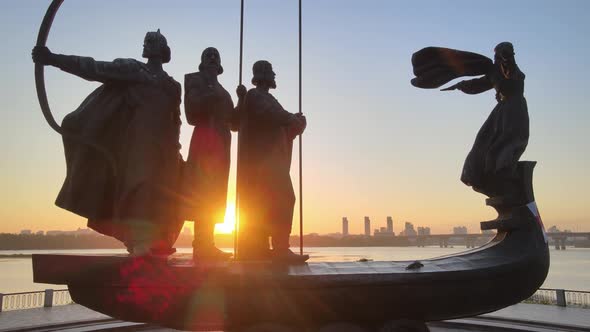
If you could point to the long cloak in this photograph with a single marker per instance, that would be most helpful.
(436, 66)
(266, 198)
(135, 116)
(504, 136)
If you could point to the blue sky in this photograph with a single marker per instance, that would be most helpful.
(374, 145)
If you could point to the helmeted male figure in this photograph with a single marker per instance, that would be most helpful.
(135, 117)
(266, 196)
(208, 107)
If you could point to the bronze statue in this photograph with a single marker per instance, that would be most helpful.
(135, 117)
(266, 194)
(208, 107)
(491, 165)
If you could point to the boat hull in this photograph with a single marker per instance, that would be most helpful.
(182, 295)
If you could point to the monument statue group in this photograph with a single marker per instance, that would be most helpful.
(145, 193)
(144, 196)
(125, 174)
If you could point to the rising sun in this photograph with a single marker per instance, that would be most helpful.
(229, 221)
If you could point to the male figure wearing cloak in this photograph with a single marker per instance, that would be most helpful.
(491, 165)
(266, 197)
(208, 107)
(135, 117)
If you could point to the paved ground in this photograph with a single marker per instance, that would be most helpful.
(546, 314)
(46, 316)
(19, 319)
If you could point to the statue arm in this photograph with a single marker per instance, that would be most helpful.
(297, 127)
(234, 121)
(236, 115)
(267, 109)
(472, 87)
(177, 124)
(196, 102)
(100, 71)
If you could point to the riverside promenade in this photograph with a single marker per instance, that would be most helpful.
(520, 317)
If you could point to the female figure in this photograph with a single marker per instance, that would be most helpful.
(490, 166)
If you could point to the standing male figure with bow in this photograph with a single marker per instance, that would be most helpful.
(134, 116)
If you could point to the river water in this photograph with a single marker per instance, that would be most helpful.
(570, 269)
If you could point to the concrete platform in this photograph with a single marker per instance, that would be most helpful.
(76, 318)
(549, 314)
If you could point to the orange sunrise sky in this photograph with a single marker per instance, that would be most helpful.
(374, 145)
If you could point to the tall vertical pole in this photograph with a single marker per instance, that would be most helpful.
(237, 203)
(241, 37)
(300, 148)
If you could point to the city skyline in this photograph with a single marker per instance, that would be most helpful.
(388, 229)
(374, 144)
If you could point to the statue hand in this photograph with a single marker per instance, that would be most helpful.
(42, 55)
(241, 91)
(301, 121)
(452, 87)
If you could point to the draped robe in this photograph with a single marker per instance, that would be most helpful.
(266, 197)
(491, 165)
(134, 115)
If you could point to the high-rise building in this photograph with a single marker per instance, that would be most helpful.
(459, 230)
(389, 224)
(344, 226)
(423, 230)
(409, 229)
(367, 226)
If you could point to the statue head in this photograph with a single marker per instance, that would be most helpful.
(263, 74)
(504, 52)
(211, 58)
(156, 46)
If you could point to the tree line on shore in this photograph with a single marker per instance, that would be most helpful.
(98, 241)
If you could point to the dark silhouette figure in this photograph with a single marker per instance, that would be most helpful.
(266, 195)
(491, 165)
(208, 107)
(134, 115)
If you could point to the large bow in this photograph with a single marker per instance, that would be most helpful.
(42, 93)
(39, 68)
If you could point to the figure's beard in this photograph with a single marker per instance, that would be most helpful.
(270, 83)
(214, 66)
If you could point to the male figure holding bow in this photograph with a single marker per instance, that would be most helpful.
(135, 117)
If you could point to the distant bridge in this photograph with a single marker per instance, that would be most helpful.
(559, 238)
(444, 240)
(470, 240)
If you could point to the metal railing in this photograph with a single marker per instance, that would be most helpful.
(58, 297)
(38, 299)
(561, 297)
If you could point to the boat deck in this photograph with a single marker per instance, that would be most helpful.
(100, 269)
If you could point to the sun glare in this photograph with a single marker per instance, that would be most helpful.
(229, 221)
